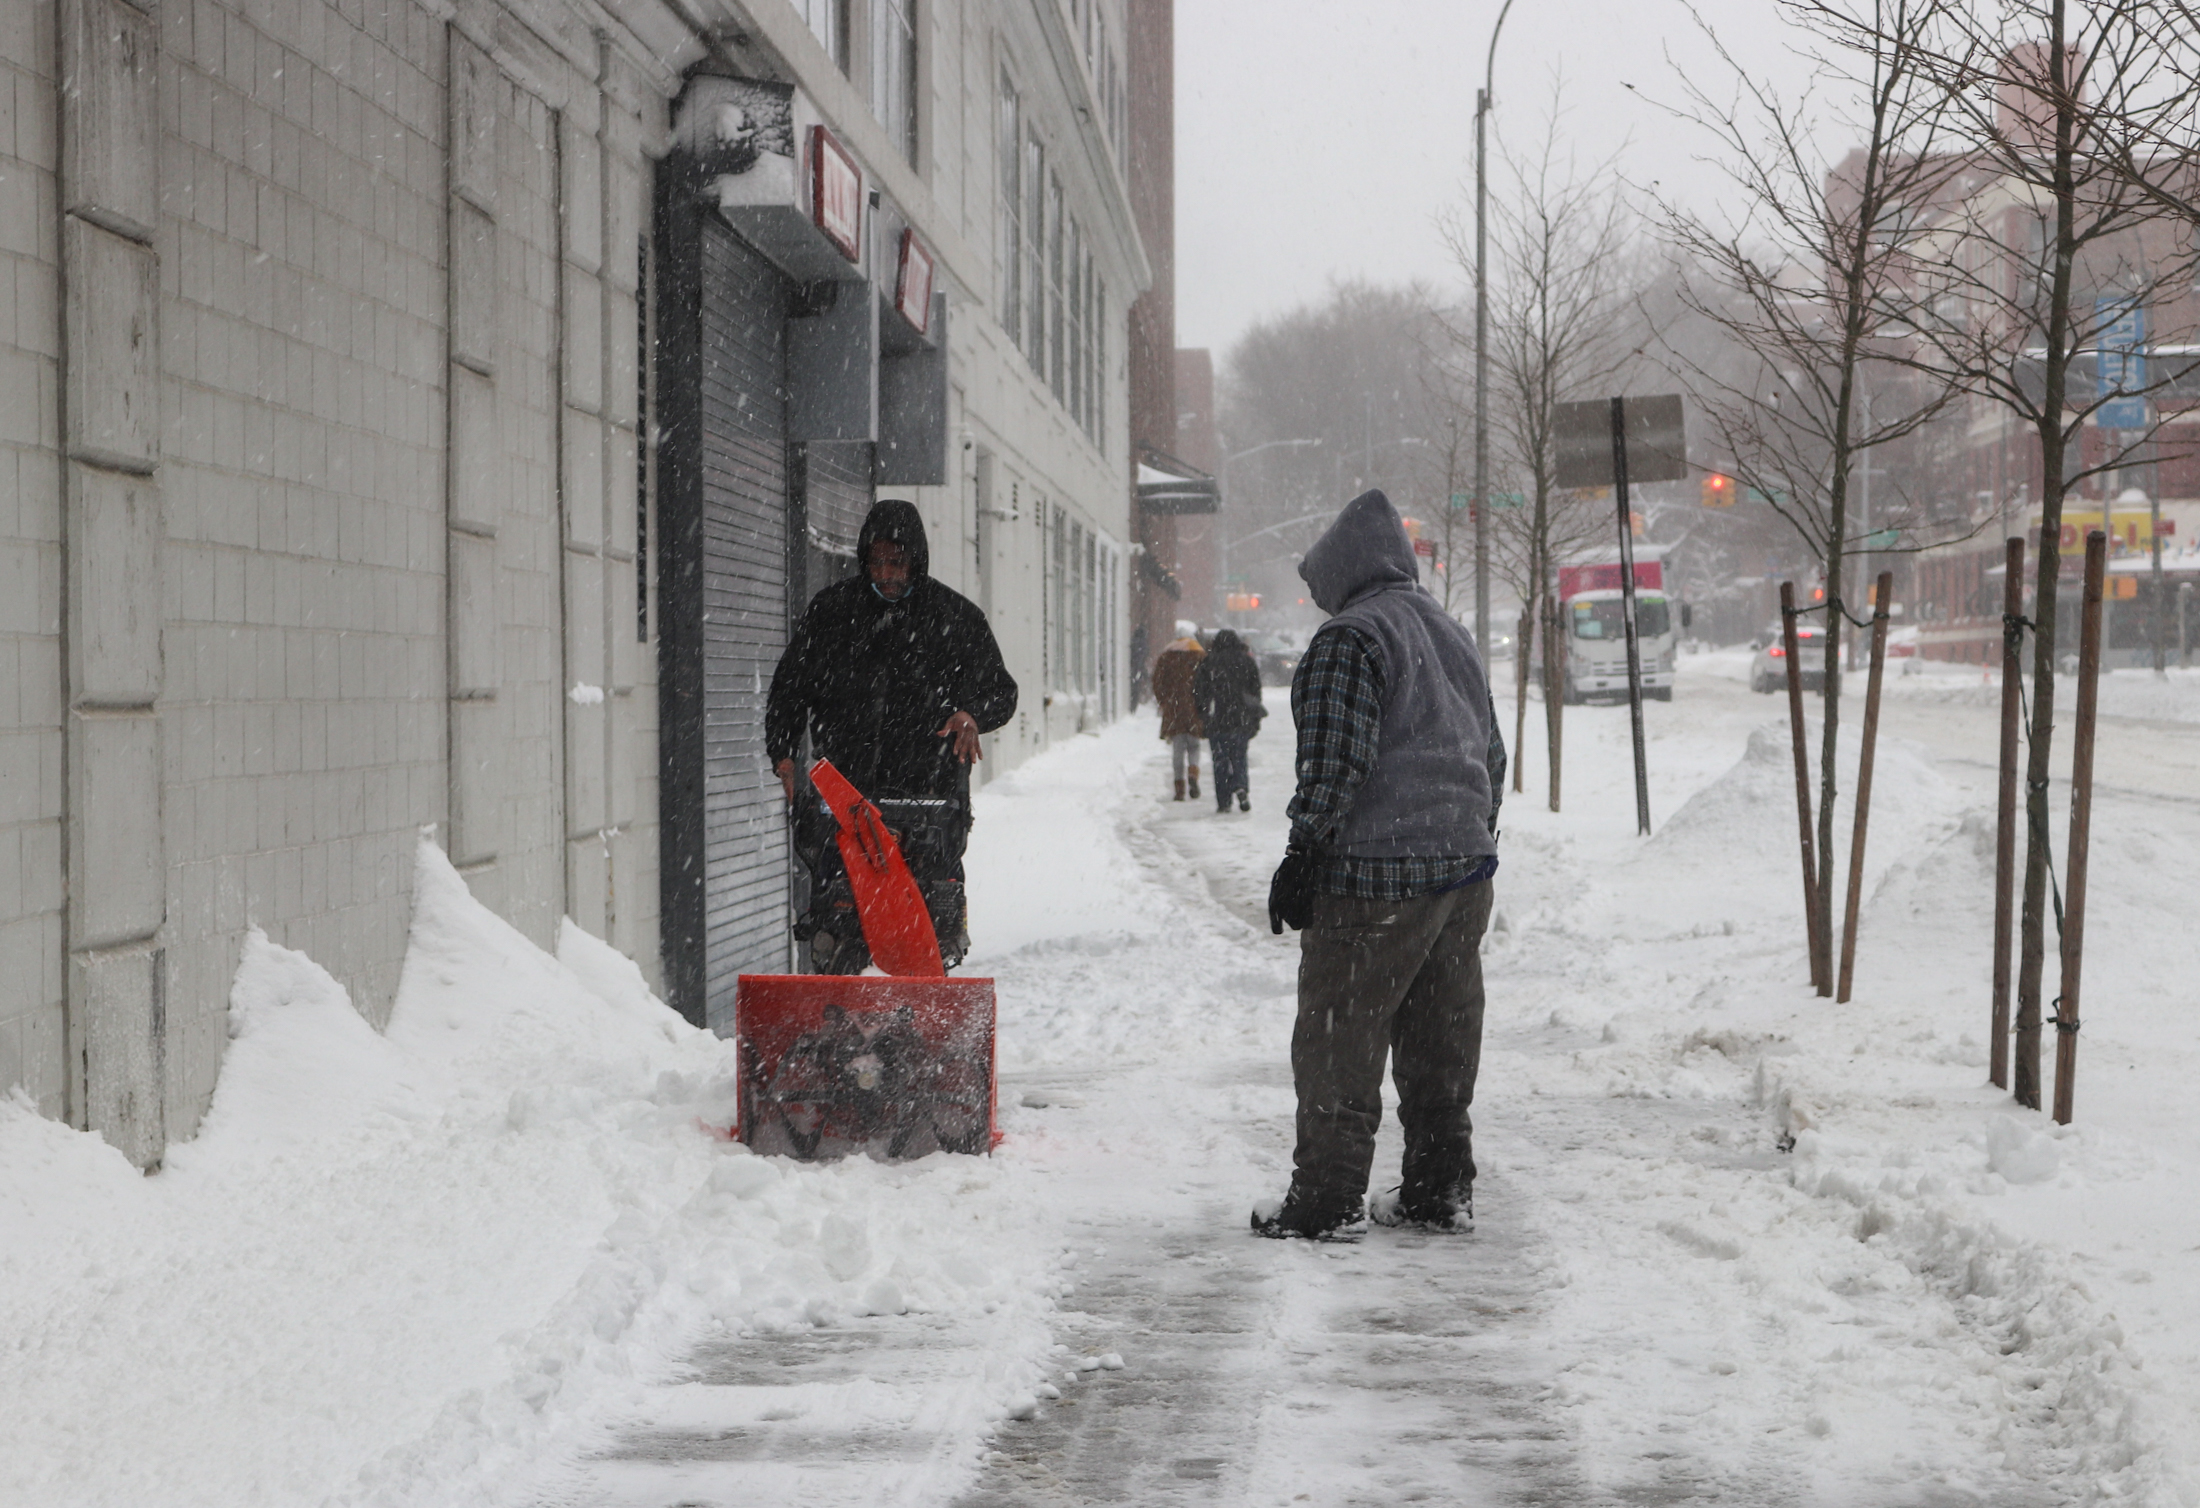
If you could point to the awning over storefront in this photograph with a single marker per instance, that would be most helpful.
(1165, 491)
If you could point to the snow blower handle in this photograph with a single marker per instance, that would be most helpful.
(897, 925)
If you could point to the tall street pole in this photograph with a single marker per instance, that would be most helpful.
(1482, 342)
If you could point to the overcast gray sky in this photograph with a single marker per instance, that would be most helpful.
(1320, 138)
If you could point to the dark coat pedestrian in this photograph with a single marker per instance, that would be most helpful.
(1226, 690)
(892, 677)
(876, 680)
(1392, 849)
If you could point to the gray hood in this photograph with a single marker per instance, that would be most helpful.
(1366, 547)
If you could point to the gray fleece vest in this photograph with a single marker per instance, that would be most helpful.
(1428, 795)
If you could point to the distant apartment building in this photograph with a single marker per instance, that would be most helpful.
(424, 416)
(1976, 477)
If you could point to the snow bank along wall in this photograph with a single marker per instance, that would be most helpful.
(332, 473)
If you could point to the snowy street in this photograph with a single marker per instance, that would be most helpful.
(1735, 1244)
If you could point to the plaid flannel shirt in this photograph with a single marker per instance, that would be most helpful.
(1337, 703)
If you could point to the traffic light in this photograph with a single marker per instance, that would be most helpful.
(1718, 491)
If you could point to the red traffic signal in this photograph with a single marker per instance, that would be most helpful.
(1718, 491)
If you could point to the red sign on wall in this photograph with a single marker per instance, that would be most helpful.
(836, 193)
(913, 288)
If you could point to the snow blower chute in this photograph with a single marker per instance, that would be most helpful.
(896, 1067)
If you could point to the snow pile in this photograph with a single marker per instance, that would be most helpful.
(429, 1265)
(1821, 1250)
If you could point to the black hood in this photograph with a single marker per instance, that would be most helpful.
(1366, 547)
(893, 519)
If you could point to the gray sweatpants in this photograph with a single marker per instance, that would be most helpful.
(1401, 979)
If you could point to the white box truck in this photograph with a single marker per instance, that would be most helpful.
(1590, 615)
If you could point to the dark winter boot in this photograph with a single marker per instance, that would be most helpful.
(1195, 782)
(1180, 790)
(1450, 1213)
(1222, 801)
(1245, 802)
(1291, 1219)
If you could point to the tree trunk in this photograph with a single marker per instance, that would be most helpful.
(1829, 702)
(1520, 694)
(2032, 947)
(1554, 694)
(2032, 940)
(1829, 695)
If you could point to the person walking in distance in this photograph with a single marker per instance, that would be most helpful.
(1181, 728)
(1388, 873)
(1226, 692)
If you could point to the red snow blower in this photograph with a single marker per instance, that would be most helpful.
(895, 1067)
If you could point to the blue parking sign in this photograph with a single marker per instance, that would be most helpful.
(2122, 363)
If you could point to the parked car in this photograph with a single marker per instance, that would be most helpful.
(1276, 655)
(1768, 670)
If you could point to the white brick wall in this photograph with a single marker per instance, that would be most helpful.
(32, 885)
(302, 316)
(314, 368)
(303, 324)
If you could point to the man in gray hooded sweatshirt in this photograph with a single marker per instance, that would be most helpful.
(1393, 845)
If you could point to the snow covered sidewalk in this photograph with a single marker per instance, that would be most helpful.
(1737, 1244)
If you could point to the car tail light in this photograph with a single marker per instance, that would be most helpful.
(1778, 652)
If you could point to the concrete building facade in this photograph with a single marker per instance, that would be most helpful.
(333, 458)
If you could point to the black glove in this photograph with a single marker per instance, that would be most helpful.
(1291, 892)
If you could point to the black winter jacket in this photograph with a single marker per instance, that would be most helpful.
(873, 681)
(1226, 688)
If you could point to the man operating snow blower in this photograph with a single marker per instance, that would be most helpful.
(1388, 873)
(893, 677)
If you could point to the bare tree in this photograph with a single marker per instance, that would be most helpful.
(1561, 327)
(1446, 458)
(1347, 370)
(1804, 277)
(2079, 121)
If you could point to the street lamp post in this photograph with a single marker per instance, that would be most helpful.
(1482, 343)
(1223, 475)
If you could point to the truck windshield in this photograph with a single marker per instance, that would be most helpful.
(1604, 620)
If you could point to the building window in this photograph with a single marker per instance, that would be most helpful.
(1111, 97)
(1008, 249)
(828, 22)
(1055, 368)
(1091, 410)
(645, 441)
(1049, 521)
(1100, 363)
(1077, 322)
(894, 72)
(1078, 613)
(1035, 238)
